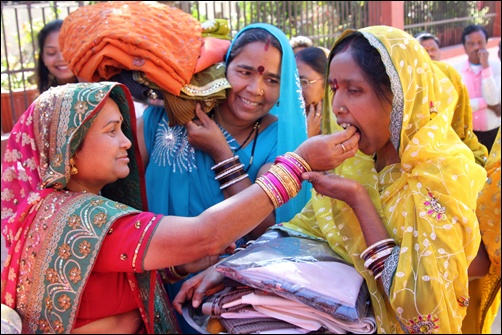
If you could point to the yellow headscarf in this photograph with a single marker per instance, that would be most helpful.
(462, 116)
(429, 290)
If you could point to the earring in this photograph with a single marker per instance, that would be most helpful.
(73, 168)
(277, 104)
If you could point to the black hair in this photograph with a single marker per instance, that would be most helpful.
(45, 79)
(424, 36)
(472, 28)
(369, 60)
(315, 58)
(250, 36)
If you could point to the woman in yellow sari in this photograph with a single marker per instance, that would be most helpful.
(403, 210)
(486, 290)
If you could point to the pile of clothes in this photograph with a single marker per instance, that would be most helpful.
(286, 284)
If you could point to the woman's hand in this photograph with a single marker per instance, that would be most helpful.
(314, 118)
(325, 152)
(196, 288)
(338, 187)
(205, 135)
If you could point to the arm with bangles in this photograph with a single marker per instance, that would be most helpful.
(205, 135)
(222, 224)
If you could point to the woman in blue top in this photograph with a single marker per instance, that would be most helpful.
(262, 117)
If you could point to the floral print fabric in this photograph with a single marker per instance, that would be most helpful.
(427, 202)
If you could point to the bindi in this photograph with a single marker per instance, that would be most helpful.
(261, 69)
(267, 44)
(335, 84)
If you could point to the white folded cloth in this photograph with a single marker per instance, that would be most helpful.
(301, 315)
(314, 277)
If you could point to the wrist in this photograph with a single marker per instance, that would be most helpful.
(180, 271)
(222, 155)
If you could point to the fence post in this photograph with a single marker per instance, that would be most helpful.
(389, 13)
(496, 24)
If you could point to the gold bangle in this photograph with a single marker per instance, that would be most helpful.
(302, 161)
(270, 194)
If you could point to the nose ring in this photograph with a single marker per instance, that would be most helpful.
(342, 109)
(262, 92)
(343, 147)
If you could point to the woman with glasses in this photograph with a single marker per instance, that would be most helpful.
(311, 63)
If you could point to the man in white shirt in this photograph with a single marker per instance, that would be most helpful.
(481, 76)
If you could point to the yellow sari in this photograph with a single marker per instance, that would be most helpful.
(462, 116)
(428, 292)
(480, 315)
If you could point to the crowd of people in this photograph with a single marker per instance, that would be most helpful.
(113, 220)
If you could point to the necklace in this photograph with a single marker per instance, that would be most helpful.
(256, 131)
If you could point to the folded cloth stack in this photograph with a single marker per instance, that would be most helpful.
(302, 269)
(287, 282)
(244, 310)
(160, 44)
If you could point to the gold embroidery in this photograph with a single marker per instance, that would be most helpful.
(140, 242)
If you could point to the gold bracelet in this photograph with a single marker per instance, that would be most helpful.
(270, 193)
(302, 161)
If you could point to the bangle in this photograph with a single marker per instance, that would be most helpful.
(264, 183)
(377, 249)
(297, 158)
(377, 256)
(374, 245)
(291, 184)
(230, 170)
(232, 176)
(225, 164)
(172, 276)
(233, 181)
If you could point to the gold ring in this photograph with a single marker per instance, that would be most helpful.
(343, 147)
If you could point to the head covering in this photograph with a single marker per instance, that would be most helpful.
(157, 50)
(54, 237)
(462, 117)
(47, 136)
(436, 246)
(290, 109)
(100, 40)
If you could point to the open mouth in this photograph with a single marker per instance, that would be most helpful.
(345, 125)
(248, 102)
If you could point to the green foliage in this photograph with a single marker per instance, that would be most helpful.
(21, 62)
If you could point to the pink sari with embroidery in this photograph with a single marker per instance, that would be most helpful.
(55, 237)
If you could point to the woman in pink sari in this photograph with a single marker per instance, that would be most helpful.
(83, 255)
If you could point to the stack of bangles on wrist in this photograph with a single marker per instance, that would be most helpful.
(375, 255)
(284, 179)
(170, 275)
(229, 172)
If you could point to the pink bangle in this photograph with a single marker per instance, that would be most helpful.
(292, 168)
(264, 183)
(278, 187)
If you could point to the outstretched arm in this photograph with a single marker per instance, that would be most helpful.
(222, 224)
